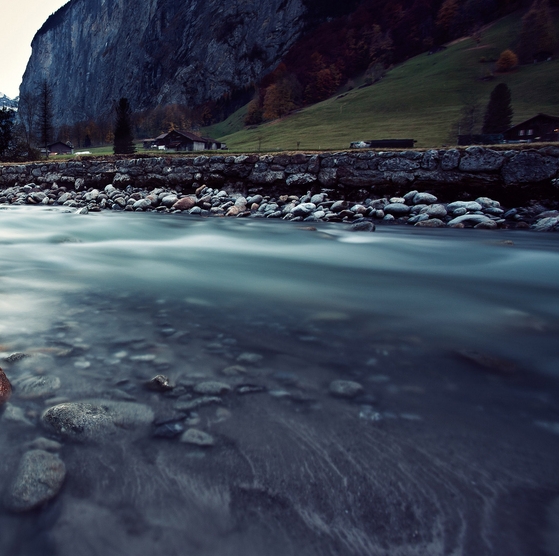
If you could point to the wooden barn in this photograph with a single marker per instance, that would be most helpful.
(539, 128)
(180, 141)
(60, 148)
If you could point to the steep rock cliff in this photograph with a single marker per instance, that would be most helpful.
(92, 52)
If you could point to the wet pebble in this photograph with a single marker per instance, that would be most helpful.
(250, 358)
(212, 388)
(345, 388)
(159, 383)
(234, 370)
(250, 389)
(38, 479)
(197, 437)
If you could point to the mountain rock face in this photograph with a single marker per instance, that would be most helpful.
(93, 52)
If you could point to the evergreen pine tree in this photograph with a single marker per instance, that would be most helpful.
(123, 138)
(498, 115)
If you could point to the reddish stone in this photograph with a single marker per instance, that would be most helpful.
(186, 203)
(5, 388)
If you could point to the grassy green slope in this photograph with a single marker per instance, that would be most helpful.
(419, 99)
(231, 125)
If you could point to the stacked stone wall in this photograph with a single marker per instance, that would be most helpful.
(515, 173)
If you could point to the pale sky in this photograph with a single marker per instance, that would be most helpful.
(19, 21)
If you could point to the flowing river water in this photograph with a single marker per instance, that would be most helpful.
(452, 447)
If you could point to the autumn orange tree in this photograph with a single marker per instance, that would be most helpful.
(254, 113)
(278, 101)
(507, 61)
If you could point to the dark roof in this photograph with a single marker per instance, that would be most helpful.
(185, 134)
(192, 136)
(540, 115)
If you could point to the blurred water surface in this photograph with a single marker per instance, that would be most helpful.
(453, 334)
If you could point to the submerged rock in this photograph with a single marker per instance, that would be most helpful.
(489, 362)
(345, 388)
(363, 226)
(250, 389)
(197, 437)
(95, 420)
(14, 357)
(33, 387)
(38, 479)
(212, 388)
(190, 405)
(251, 358)
(15, 415)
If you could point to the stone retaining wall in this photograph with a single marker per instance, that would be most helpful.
(528, 173)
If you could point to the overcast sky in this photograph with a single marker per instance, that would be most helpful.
(19, 21)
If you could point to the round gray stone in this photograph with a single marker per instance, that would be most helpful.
(397, 209)
(435, 210)
(39, 478)
(96, 420)
(424, 199)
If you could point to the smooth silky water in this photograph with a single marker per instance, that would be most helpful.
(454, 335)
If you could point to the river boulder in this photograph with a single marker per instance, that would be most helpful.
(38, 479)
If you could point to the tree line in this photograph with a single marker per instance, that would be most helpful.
(27, 133)
(380, 33)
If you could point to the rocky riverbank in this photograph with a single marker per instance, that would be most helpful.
(417, 208)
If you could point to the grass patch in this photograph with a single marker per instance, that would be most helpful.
(418, 99)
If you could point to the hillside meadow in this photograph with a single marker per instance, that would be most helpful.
(419, 99)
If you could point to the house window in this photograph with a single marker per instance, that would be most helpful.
(530, 132)
(521, 133)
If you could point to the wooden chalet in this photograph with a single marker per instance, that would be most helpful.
(539, 128)
(178, 140)
(60, 148)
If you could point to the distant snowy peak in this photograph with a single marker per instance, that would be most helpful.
(7, 102)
